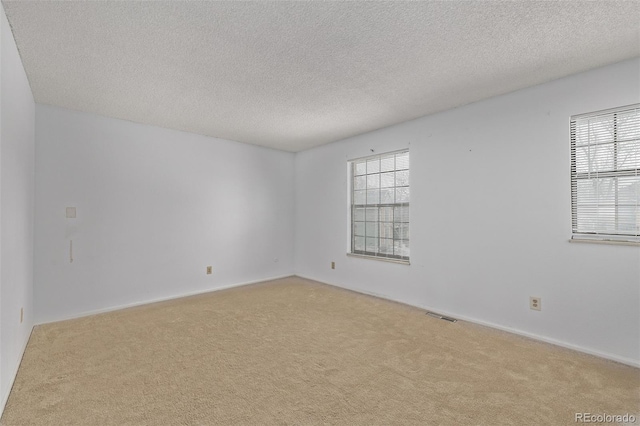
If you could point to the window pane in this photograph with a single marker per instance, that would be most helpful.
(360, 167)
(401, 231)
(386, 180)
(387, 163)
(372, 244)
(373, 181)
(629, 154)
(360, 182)
(628, 125)
(359, 243)
(372, 229)
(401, 248)
(386, 246)
(597, 219)
(373, 165)
(628, 202)
(386, 230)
(386, 196)
(401, 214)
(594, 130)
(373, 196)
(402, 161)
(360, 197)
(596, 191)
(594, 158)
(402, 195)
(358, 213)
(629, 190)
(358, 228)
(402, 178)
(372, 214)
(386, 214)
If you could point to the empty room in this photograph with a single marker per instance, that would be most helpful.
(305, 213)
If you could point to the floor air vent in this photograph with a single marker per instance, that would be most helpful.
(442, 317)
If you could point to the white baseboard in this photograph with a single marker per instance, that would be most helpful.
(160, 299)
(605, 355)
(5, 398)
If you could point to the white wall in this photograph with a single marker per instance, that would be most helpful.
(154, 208)
(16, 208)
(490, 212)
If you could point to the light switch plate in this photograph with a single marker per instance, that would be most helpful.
(71, 212)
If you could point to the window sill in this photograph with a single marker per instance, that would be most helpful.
(605, 241)
(383, 259)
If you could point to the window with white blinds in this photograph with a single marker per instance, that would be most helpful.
(605, 174)
(380, 206)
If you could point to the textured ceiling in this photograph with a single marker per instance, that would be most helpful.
(292, 75)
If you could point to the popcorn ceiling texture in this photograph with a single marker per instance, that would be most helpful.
(293, 75)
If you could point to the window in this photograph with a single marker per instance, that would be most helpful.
(605, 175)
(380, 206)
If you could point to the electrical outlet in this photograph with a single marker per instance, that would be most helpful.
(333, 265)
(21, 315)
(535, 303)
(209, 270)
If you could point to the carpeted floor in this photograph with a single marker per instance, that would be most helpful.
(297, 352)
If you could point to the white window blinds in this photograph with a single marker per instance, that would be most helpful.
(605, 174)
(380, 206)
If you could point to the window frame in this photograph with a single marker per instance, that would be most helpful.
(377, 255)
(578, 235)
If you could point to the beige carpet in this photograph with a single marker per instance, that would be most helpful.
(297, 352)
